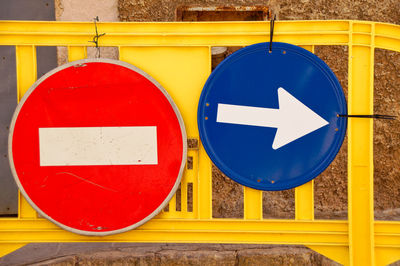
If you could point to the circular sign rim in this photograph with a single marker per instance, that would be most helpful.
(304, 177)
(155, 83)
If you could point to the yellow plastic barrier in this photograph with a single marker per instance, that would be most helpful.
(178, 55)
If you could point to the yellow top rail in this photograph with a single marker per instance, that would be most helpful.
(178, 55)
(185, 34)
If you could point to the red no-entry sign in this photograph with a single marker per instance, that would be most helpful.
(97, 146)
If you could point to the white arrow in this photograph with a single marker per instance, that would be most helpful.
(293, 119)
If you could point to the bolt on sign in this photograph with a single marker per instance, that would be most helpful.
(97, 146)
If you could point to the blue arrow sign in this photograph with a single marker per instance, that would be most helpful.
(270, 120)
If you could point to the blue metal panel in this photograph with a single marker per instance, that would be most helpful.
(247, 131)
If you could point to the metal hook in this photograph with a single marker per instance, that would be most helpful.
(271, 33)
(96, 37)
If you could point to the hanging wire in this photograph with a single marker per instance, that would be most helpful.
(96, 37)
(376, 116)
(271, 33)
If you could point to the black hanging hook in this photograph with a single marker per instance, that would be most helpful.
(375, 116)
(97, 36)
(271, 33)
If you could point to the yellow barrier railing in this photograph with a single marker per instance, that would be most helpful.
(178, 55)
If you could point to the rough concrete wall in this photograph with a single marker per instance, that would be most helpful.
(77, 10)
(164, 10)
(330, 186)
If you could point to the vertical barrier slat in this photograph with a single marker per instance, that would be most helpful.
(184, 196)
(26, 76)
(252, 204)
(191, 174)
(204, 181)
(172, 206)
(25, 211)
(360, 154)
(304, 201)
(76, 53)
(204, 185)
(26, 68)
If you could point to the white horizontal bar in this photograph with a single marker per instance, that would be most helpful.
(98, 146)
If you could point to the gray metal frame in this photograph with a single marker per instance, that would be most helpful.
(46, 60)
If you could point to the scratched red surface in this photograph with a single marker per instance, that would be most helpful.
(97, 95)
